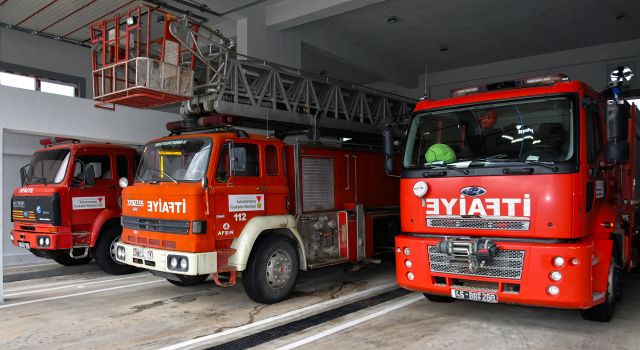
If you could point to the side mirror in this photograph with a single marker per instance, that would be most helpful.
(89, 175)
(618, 149)
(23, 175)
(387, 136)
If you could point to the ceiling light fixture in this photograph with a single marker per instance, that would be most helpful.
(392, 19)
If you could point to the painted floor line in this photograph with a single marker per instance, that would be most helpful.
(69, 286)
(29, 265)
(78, 281)
(408, 300)
(286, 315)
(77, 294)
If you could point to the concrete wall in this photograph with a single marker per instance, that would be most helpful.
(589, 64)
(45, 54)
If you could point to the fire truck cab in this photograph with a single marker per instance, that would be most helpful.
(537, 205)
(219, 200)
(68, 208)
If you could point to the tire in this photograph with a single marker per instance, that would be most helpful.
(63, 258)
(438, 298)
(186, 281)
(272, 270)
(104, 252)
(604, 312)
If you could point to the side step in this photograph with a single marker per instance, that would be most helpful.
(80, 241)
(224, 268)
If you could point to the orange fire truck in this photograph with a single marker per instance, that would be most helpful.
(216, 200)
(68, 208)
(539, 206)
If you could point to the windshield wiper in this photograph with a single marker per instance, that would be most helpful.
(548, 166)
(448, 166)
(167, 175)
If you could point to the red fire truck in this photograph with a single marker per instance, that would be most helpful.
(68, 208)
(218, 201)
(537, 207)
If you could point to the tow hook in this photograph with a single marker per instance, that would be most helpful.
(474, 253)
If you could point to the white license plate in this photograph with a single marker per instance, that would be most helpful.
(474, 296)
(142, 253)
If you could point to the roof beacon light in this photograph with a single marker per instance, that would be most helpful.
(53, 140)
(214, 121)
(510, 84)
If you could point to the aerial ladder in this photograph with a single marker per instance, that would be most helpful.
(149, 58)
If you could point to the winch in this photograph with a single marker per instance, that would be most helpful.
(474, 253)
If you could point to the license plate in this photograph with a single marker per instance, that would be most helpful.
(474, 296)
(142, 253)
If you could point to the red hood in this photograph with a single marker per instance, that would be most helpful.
(533, 206)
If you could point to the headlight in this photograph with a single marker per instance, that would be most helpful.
(123, 182)
(41, 241)
(408, 264)
(410, 276)
(556, 276)
(184, 264)
(553, 290)
(407, 251)
(558, 261)
(173, 262)
(120, 253)
(47, 240)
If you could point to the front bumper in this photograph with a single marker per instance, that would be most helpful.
(31, 239)
(530, 287)
(198, 263)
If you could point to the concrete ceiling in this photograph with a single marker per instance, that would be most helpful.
(475, 32)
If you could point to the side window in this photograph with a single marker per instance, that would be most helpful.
(244, 162)
(271, 155)
(101, 165)
(123, 166)
(594, 134)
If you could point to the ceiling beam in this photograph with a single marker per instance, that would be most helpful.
(291, 13)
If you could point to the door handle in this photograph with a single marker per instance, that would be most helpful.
(261, 188)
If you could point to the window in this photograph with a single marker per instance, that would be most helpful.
(38, 83)
(245, 161)
(123, 166)
(594, 134)
(17, 81)
(101, 165)
(271, 154)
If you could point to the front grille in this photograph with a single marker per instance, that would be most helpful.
(479, 224)
(507, 264)
(168, 226)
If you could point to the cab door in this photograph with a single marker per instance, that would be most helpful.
(88, 201)
(239, 191)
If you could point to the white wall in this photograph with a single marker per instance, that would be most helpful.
(46, 54)
(589, 64)
(17, 150)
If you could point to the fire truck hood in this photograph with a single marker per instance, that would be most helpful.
(164, 201)
(530, 206)
(37, 204)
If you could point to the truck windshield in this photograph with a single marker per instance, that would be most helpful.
(175, 160)
(48, 167)
(540, 130)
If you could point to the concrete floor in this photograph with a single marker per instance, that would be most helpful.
(53, 307)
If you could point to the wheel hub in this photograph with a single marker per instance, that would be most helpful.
(279, 269)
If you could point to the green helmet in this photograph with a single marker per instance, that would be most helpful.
(440, 152)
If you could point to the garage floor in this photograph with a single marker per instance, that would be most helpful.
(48, 306)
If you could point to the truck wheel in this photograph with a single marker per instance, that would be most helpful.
(438, 298)
(105, 252)
(64, 259)
(604, 312)
(272, 270)
(186, 281)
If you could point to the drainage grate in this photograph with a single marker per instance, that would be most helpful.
(311, 321)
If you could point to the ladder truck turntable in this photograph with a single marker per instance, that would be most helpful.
(539, 206)
(211, 199)
(67, 208)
